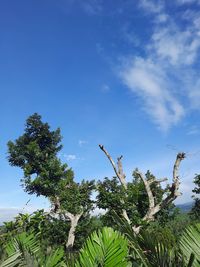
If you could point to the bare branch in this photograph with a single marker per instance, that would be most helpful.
(147, 184)
(160, 180)
(153, 208)
(119, 173)
(174, 193)
(174, 189)
(110, 159)
(125, 215)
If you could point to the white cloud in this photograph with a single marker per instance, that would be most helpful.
(183, 2)
(194, 130)
(179, 47)
(165, 76)
(152, 6)
(92, 7)
(161, 18)
(9, 213)
(70, 157)
(129, 35)
(82, 142)
(145, 78)
(194, 95)
(105, 88)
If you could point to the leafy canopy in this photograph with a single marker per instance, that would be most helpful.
(35, 152)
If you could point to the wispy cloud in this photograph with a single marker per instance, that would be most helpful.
(92, 7)
(105, 88)
(146, 79)
(152, 6)
(128, 35)
(89, 7)
(183, 2)
(165, 76)
(176, 46)
(194, 130)
(82, 142)
(70, 157)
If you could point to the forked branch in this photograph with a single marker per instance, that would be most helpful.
(120, 175)
(153, 207)
(119, 169)
(68, 216)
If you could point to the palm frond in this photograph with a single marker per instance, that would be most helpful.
(190, 243)
(106, 248)
(20, 250)
(55, 259)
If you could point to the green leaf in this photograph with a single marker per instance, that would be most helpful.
(190, 243)
(106, 248)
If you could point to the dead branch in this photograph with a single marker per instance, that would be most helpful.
(120, 175)
(147, 185)
(153, 208)
(119, 172)
(174, 189)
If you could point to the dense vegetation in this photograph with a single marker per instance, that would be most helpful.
(141, 225)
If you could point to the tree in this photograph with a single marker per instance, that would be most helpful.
(35, 152)
(195, 212)
(126, 199)
(134, 199)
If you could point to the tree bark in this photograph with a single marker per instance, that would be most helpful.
(74, 222)
(120, 175)
(73, 218)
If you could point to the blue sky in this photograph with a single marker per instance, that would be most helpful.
(121, 73)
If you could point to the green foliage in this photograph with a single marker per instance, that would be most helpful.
(175, 222)
(87, 225)
(20, 251)
(114, 197)
(35, 152)
(159, 247)
(53, 231)
(106, 248)
(190, 243)
(39, 239)
(76, 197)
(195, 212)
(24, 250)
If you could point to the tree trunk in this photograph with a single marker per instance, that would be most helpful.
(74, 219)
(71, 236)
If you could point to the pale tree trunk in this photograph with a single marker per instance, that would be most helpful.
(73, 218)
(153, 208)
(73, 224)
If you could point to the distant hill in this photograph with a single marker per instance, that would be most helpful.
(185, 207)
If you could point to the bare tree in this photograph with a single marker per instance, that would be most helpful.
(153, 207)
